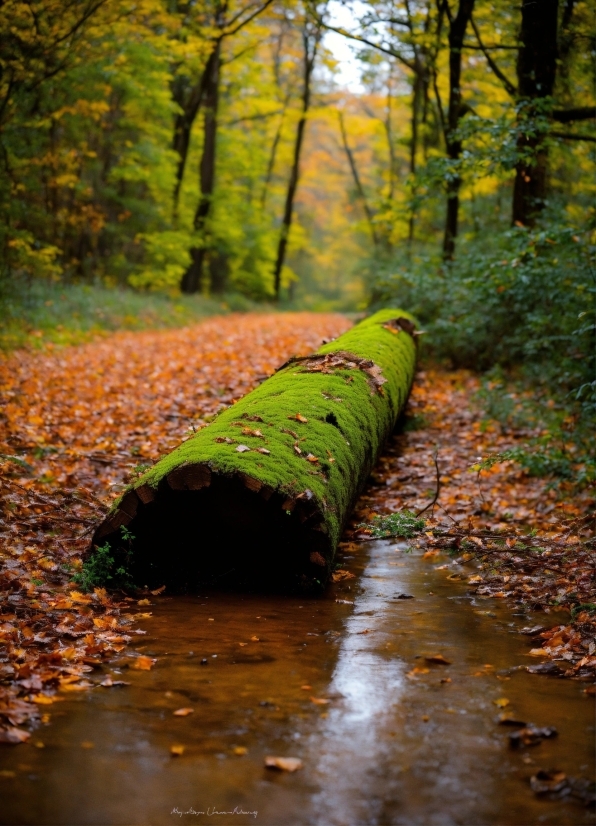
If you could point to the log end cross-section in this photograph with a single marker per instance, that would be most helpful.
(260, 496)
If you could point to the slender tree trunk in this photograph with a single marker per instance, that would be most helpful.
(183, 124)
(357, 181)
(536, 72)
(457, 31)
(416, 93)
(311, 42)
(191, 280)
(272, 155)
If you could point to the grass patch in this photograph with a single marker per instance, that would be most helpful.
(34, 313)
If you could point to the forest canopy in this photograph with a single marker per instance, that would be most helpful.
(209, 147)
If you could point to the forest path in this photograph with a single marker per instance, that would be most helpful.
(81, 418)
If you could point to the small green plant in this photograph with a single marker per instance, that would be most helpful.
(100, 569)
(403, 523)
(137, 470)
(590, 607)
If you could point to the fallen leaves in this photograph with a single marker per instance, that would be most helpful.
(13, 735)
(502, 702)
(533, 544)
(177, 750)
(319, 701)
(531, 736)
(341, 574)
(79, 423)
(143, 663)
(183, 712)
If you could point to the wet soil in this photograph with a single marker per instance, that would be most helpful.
(401, 741)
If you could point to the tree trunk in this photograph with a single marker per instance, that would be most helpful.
(311, 42)
(183, 124)
(358, 183)
(457, 31)
(536, 72)
(191, 280)
(263, 493)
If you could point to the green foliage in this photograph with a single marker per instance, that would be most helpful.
(102, 569)
(404, 524)
(527, 296)
(35, 311)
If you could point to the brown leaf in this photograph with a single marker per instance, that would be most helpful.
(286, 764)
(13, 735)
(437, 659)
(143, 663)
(183, 712)
(340, 574)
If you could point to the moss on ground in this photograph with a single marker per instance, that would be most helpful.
(315, 434)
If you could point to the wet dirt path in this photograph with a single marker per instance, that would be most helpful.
(401, 740)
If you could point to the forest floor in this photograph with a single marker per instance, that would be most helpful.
(77, 423)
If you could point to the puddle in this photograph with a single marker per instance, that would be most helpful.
(401, 740)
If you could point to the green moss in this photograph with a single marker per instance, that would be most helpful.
(346, 424)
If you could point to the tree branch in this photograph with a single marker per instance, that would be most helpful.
(570, 136)
(247, 20)
(579, 113)
(359, 39)
(509, 87)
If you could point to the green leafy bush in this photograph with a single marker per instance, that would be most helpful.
(403, 523)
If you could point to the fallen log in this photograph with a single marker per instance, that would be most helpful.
(262, 493)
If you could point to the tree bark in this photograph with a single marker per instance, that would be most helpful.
(457, 31)
(190, 105)
(265, 490)
(536, 73)
(310, 37)
(357, 181)
(191, 280)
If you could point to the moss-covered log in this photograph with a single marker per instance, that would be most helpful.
(262, 493)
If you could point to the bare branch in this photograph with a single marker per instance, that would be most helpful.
(509, 87)
(570, 136)
(579, 113)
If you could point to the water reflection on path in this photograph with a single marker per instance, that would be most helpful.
(401, 740)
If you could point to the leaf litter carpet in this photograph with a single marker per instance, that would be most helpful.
(77, 424)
